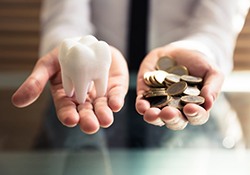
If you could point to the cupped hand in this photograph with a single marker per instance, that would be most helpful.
(192, 113)
(91, 115)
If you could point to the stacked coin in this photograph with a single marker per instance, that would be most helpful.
(171, 85)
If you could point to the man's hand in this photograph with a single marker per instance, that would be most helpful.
(192, 113)
(91, 115)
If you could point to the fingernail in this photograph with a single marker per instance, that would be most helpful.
(178, 126)
(158, 122)
(195, 114)
(197, 120)
(69, 122)
(173, 120)
(176, 123)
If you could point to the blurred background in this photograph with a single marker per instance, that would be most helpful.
(19, 40)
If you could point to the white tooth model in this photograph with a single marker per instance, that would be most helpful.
(82, 61)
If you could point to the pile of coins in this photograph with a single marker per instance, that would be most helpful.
(171, 85)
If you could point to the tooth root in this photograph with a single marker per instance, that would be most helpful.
(81, 90)
(67, 85)
(101, 87)
(102, 51)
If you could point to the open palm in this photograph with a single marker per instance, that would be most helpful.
(91, 115)
(192, 113)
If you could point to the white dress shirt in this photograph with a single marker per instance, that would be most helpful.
(209, 26)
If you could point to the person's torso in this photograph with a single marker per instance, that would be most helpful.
(167, 21)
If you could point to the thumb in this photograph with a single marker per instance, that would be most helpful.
(28, 92)
(33, 86)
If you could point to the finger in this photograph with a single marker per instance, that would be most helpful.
(173, 118)
(141, 104)
(195, 114)
(33, 86)
(116, 97)
(148, 64)
(103, 112)
(118, 81)
(88, 120)
(151, 117)
(211, 88)
(65, 107)
(27, 93)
